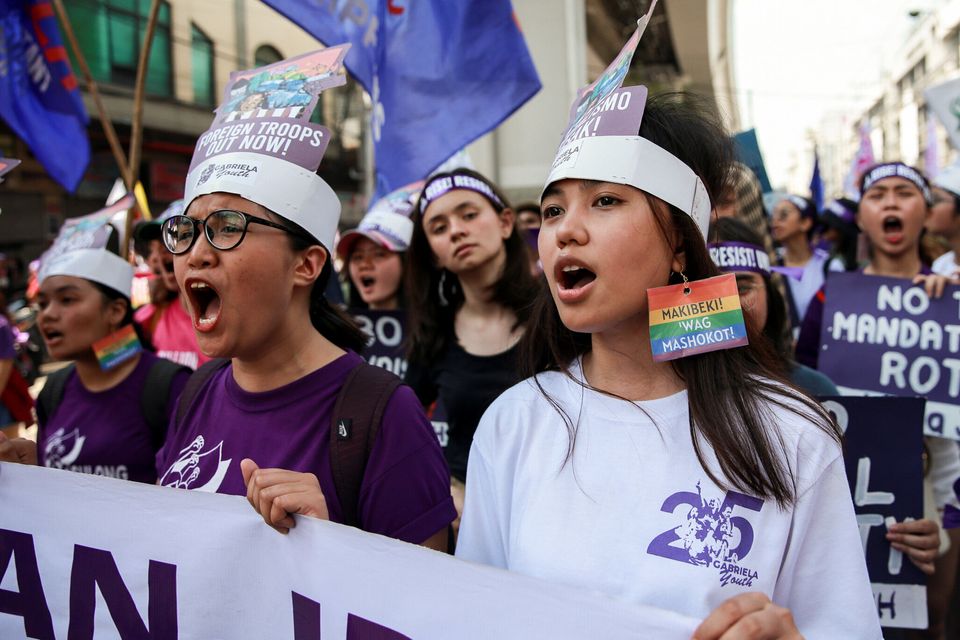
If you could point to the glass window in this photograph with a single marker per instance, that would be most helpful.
(265, 54)
(110, 33)
(202, 66)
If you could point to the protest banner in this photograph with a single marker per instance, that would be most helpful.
(883, 456)
(83, 556)
(385, 346)
(886, 336)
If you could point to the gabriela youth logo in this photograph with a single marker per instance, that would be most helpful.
(62, 449)
(709, 534)
(197, 469)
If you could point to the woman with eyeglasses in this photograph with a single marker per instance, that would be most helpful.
(252, 254)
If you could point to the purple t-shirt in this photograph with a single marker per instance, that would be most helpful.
(104, 432)
(405, 493)
(7, 351)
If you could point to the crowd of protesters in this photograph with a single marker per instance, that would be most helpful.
(529, 328)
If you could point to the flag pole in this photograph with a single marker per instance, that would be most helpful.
(105, 122)
(136, 130)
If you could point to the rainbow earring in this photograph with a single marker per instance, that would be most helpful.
(117, 348)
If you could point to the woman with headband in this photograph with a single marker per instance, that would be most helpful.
(737, 249)
(469, 286)
(894, 206)
(252, 254)
(792, 223)
(701, 484)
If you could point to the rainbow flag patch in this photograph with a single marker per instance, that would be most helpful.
(707, 317)
(117, 348)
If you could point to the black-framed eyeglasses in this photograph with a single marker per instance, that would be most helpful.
(225, 229)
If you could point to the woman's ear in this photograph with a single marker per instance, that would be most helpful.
(507, 220)
(679, 260)
(310, 265)
(116, 310)
(806, 224)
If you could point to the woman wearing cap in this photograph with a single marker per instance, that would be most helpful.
(252, 254)
(165, 319)
(944, 220)
(469, 287)
(93, 417)
(611, 471)
(792, 224)
(894, 206)
(373, 253)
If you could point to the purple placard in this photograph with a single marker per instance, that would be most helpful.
(886, 336)
(883, 457)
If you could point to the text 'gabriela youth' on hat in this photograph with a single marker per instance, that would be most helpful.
(83, 249)
(601, 142)
(388, 222)
(263, 147)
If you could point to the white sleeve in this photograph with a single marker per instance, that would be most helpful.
(485, 523)
(824, 580)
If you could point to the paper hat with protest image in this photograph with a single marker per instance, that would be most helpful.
(388, 222)
(263, 147)
(7, 165)
(87, 248)
(601, 142)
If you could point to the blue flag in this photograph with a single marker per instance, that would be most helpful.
(748, 152)
(39, 98)
(441, 73)
(816, 183)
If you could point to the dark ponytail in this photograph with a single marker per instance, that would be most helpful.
(111, 294)
(332, 323)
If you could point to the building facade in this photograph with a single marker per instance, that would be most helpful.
(199, 42)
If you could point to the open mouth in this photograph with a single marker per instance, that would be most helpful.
(573, 277)
(892, 224)
(52, 336)
(367, 282)
(205, 304)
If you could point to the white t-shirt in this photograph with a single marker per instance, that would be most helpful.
(945, 265)
(632, 514)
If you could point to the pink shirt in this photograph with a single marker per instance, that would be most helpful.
(172, 333)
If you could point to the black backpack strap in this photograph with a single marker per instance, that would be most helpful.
(356, 419)
(156, 394)
(195, 383)
(52, 393)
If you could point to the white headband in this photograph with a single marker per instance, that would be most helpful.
(99, 265)
(637, 162)
(288, 190)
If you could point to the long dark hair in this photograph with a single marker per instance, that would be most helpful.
(431, 321)
(729, 391)
(332, 323)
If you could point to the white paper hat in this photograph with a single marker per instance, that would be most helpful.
(263, 147)
(80, 250)
(601, 142)
(387, 223)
